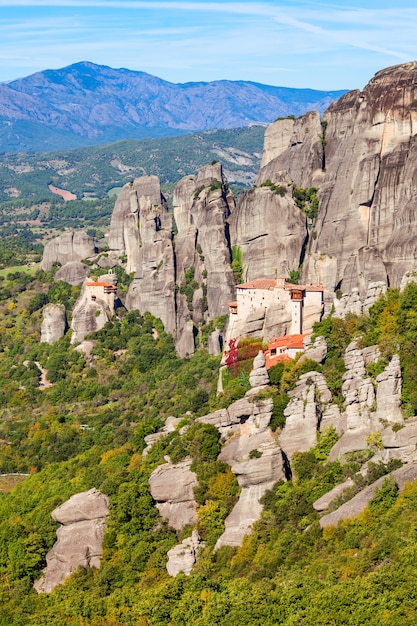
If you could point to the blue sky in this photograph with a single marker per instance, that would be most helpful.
(321, 45)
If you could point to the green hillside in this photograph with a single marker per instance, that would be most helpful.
(94, 171)
(30, 212)
(86, 430)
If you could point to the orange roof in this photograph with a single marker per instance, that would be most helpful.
(232, 303)
(100, 284)
(288, 341)
(259, 283)
(270, 361)
(270, 283)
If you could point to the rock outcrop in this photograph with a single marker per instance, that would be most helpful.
(193, 285)
(309, 410)
(170, 426)
(202, 206)
(73, 272)
(364, 231)
(68, 247)
(79, 539)
(54, 323)
(141, 229)
(182, 557)
(252, 452)
(356, 304)
(172, 488)
(270, 230)
(95, 306)
(314, 350)
(357, 504)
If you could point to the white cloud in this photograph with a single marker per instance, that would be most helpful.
(205, 40)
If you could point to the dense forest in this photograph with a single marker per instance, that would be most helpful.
(87, 430)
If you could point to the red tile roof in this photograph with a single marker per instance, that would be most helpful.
(259, 283)
(270, 361)
(100, 284)
(270, 283)
(287, 342)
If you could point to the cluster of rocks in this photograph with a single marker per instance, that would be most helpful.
(252, 451)
(356, 304)
(309, 410)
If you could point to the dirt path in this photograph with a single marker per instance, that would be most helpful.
(43, 382)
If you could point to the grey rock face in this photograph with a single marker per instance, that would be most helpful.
(245, 426)
(202, 206)
(356, 304)
(141, 229)
(409, 277)
(324, 502)
(293, 148)
(259, 377)
(172, 487)
(388, 395)
(310, 401)
(79, 539)
(357, 504)
(266, 323)
(270, 230)
(367, 217)
(369, 404)
(182, 557)
(68, 247)
(315, 351)
(54, 323)
(401, 444)
(73, 273)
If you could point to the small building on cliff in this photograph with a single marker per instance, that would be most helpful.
(302, 305)
(102, 291)
(284, 348)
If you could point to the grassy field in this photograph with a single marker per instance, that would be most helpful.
(27, 269)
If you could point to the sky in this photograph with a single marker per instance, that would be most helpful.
(304, 44)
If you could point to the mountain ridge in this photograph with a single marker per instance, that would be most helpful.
(96, 104)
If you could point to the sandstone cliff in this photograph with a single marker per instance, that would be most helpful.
(184, 279)
(93, 308)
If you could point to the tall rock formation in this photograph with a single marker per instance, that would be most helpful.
(54, 323)
(95, 306)
(361, 158)
(79, 539)
(141, 229)
(368, 201)
(204, 277)
(185, 280)
(270, 230)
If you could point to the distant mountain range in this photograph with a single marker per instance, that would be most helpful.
(87, 104)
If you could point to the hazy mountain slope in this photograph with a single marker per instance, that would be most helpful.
(93, 170)
(97, 104)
